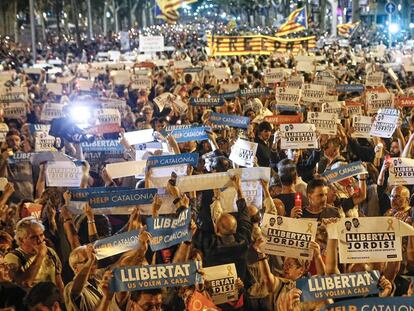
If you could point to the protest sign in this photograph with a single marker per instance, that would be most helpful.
(109, 145)
(298, 136)
(21, 157)
(401, 171)
(163, 100)
(377, 100)
(370, 239)
(14, 110)
(283, 119)
(174, 159)
(333, 107)
(222, 73)
(288, 237)
(211, 101)
(139, 82)
(159, 176)
(122, 198)
(121, 77)
(51, 111)
(81, 194)
(243, 152)
(13, 94)
(63, 174)
(374, 79)
(251, 173)
(222, 281)
(405, 102)
(331, 98)
(230, 87)
(124, 40)
(385, 123)
(139, 137)
(44, 142)
(108, 116)
(190, 134)
(169, 128)
(313, 93)
(167, 231)
(3, 131)
(34, 209)
(373, 304)
(151, 44)
(338, 286)
(252, 193)
(344, 172)
(182, 64)
(295, 81)
(274, 75)
(135, 278)
(256, 44)
(116, 244)
(324, 122)
(125, 169)
(350, 88)
(288, 96)
(305, 66)
(361, 126)
(354, 108)
(327, 81)
(203, 182)
(256, 92)
(199, 302)
(55, 88)
(230, 120)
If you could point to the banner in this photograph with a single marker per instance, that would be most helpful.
(370, 239)
(167, 231)
(63, 174)
(324, 122)
(169, 128)
(81, 194)
(243, 152)
(256, 92)
(385, 123)
(288, 96)
(274, 75)
(344, 172)
(401, 171)
(298, 136)
(283, 119)
(350, 88)
(376, 101)
(258, 44)
(109, 145)
(288, 237)
(361, 126)
(174, 159)
(190, 134)
(211, 101)
(251, 173)
(373, 304)
(203, 182)
(313, 93)
(21, 157)
(122, 198)
(116, 244)
(405, 102)
(125, 169)
(151, 44)
(338, 286)
(222, 281)
(229, 120)
(134, 278)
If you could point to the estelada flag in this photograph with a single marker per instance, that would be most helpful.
(199, 302)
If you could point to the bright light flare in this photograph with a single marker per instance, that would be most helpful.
(393, 28)
(80, 115)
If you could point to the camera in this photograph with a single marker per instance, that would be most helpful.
(67, 129)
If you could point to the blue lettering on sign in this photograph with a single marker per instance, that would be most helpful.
(122, 198)
(117, 244)
(183, 158)
(371, 304)
(81, 194)
(230, 120)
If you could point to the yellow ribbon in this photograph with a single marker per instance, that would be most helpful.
(309, 228)
(390, 227)
(229, 272)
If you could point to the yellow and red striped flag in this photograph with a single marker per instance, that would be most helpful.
(297, 21)
(167, 9)
(346, 30)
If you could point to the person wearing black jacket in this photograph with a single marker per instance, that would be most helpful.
(265, 155)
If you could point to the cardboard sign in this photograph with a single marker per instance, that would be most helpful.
(377, 100)
(243, 152)
(167, 231)
(125, 169)
(133, 278)
(344, 172)
(362, 126)
(63, 174)
(288, 237)
(222, 280)
(324, 122)
(122, 198)
(116, 244)
(274, 75)
(229, 120)
(401, 171)
(374, 79)
(313, 93)
(298, 136)
(338, 286)
(288, 96)
(385, 123)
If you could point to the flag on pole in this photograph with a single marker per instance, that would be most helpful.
(346, 30)
(297, 21)
(167, 9)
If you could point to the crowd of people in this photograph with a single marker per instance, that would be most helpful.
(48, 255)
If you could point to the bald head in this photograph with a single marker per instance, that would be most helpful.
(252, 210)
(226, 225)
(400, 197)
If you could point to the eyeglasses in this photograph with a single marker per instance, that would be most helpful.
(151, 306)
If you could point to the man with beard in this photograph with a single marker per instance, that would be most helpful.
(19, 172)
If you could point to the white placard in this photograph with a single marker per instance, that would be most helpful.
(374, 79)
(230, 87)
(333, 107)
(401, 171)
(243, 152)
(121, 77)
(203, 182)
(108, 116)
(140, 82)
(298, 136)
(313, 93)
(221, 73)
(222, 281)
(63, 174)
(3, 183)
(324, 122)
(385, 123)
(125, 169)
(361, 126)
(124, 39)
(151, 44)
(55, 88)
(44, 142)
(305, 66)
(295, 81)
(376, 101)
(274, 75)
(251, 173)
(51, 111)
(139, 137)
(85, 85)
(163, 100)
(14, 110)
(288, 96)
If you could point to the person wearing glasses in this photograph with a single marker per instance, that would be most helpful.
(146, 300)
(400, 204)
(33, 261)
